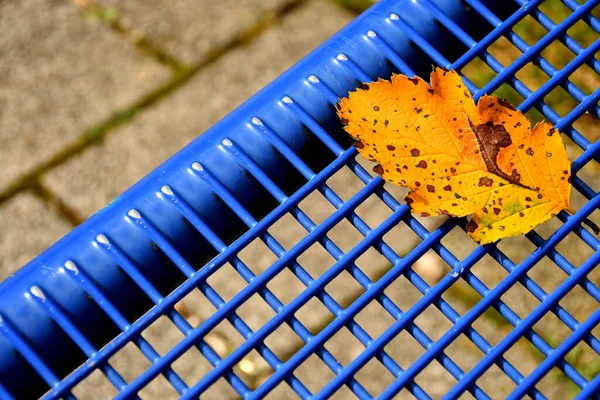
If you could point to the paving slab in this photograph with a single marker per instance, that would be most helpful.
(29, 227)
(60, 74)
(190, 29)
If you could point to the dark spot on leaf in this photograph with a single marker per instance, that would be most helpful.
(501, 228)
(527, 198)
(418, 128)
(386, 123)
(485, 210)
(425, 214)
(426, 116)
(458, 196)
(422, 164)
(491, 139)
(417, 183)
(409, 200)
(345, 122)
(378, 169)
(529, 151)
(431, 188)
(375, 108)
(359, 145)
(398, 169)
(338, 106)
(454, 119)
(518, 124)
(390, 147)
(415, 81)
(485, 181)
(506, 104)
(431, 91)
(521, 146)
(566, 172)
(405, 167)
(551, 132)
(472, 226)
(515, 177)
(521, 215)
(540, 196)
(454, 204)
(548, 154)
(496, 210)
(415, 152)
(448, 188)
(453, 170)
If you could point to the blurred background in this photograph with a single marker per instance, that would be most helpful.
(96, 93)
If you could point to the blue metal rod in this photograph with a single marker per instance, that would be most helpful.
(80, 276)
(560, 352)
(59, 316)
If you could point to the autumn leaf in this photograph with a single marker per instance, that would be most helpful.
(460, 158)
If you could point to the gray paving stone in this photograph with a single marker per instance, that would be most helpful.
(190, 29)
(60, 74)
(29, 227)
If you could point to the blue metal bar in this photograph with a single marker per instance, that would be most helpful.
(58, 315)
(4, 393)
(20, 344)
(592, 390)
(561, 351)
(119, 319)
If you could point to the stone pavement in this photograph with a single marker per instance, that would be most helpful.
(93, 95)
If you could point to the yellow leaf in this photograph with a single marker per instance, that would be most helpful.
(458, 157)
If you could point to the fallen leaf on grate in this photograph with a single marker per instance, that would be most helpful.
(460, 158)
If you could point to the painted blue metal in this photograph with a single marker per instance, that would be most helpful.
(66, 313)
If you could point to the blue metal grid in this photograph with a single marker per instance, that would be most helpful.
(190, 206)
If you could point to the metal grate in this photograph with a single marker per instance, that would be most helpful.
(102, 286)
